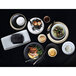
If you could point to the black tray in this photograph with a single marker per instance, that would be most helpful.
(15, 57)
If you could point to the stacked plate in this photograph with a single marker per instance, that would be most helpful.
(57, 32)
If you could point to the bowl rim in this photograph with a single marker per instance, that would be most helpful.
(71, 44)
(20, 27)
(58, 41)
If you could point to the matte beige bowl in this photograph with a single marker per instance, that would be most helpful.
(42, 38)
(52, 52)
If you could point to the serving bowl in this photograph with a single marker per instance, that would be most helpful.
(55, 39)
(26, 51)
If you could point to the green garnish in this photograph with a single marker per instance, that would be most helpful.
(58, 31)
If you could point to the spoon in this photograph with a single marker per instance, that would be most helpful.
(39, 58)
(31, 59)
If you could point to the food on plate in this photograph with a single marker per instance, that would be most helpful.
(58, 32)
(18, 21)
(17, 38)
(42, 38)
(35, 25)
(68, 48)
(34, 52)
(36, 22)
(39, 23)
(46, 19)
(52, 52)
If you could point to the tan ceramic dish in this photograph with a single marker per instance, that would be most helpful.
(42, 40)
(52, 52)
(62, 40)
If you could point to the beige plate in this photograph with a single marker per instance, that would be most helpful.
(62, 40)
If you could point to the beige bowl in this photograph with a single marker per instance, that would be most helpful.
(61, 40)
(52, 52)
(42, 38)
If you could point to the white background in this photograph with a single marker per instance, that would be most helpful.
(37, 4)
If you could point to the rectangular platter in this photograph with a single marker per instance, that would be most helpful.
(7, 43)
(15, 56)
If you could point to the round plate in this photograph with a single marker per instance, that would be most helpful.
(29, 26)
(68, 43)
(13, 21)
(26, 49)
(55, 40)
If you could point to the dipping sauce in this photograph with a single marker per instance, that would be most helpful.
(41, 38)
(52, 52)
(46, 19)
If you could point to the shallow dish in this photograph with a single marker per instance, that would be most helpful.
(35, 25)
